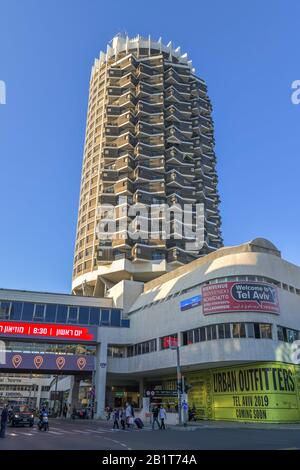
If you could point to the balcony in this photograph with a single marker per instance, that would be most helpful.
(173, 134)
(110, 152)
(146, 89)
(109, 176)
(145, 151)
(146, 108)
(179, 92)
(127, 141)
(178, 75)
(148, 129)
(182, 147)
(148, 71)
(177, 256)
(151, 163)
(123, 187)
(152, 141)
(124, 163)
(172, 113)
(146, 253)
(147, 199)
(188, 195)
(151, 187)
(186, 171)
(142, 174)
(174, 179)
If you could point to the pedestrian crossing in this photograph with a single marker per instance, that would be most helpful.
(56, 431)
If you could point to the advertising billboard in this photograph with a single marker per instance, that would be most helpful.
(191, 302)
(48, 362)
(240, 296)
(19, 330)
(266, 392)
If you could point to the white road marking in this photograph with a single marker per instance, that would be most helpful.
(55, 432)
(80, 432)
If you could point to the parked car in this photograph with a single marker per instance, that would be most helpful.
(21, 416)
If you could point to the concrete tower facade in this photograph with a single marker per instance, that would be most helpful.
(149, 146)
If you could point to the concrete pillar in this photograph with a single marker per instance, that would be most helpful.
(73, 398)
(38, 398)
(100, 379)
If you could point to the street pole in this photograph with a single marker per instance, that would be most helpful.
(29, 399)
(55, 398)
(179, 384)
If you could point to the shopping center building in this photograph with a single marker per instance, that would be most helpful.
(233, 313)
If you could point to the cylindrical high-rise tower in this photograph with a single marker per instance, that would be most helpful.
(149, 142)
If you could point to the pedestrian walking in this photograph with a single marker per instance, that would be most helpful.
(162, 417)
(109, 412)
(123, 418)
(129, 415)
(155, 413)
(116, 416)
(4, 418)
(65, 411)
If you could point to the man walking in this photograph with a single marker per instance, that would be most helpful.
(123, 418)
(4, 418)
(162, 417)
(116, 417)
(155, 413)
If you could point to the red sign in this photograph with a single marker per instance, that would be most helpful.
(170, 342)
(42, 330)
(240, 297)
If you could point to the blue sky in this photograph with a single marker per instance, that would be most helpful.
(247, 51)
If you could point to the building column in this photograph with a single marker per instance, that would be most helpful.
(73, 397)
(38, 398)
(100, 379)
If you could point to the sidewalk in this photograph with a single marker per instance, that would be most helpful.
(193, 426)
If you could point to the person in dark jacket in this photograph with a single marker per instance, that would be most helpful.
(116, 416)
(4, 419)
(155, 413)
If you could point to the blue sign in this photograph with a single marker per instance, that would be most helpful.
(191, 302)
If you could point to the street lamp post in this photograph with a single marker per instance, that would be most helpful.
(173, 344)
(179, 383)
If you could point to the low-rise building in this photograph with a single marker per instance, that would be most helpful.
(234, 316)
